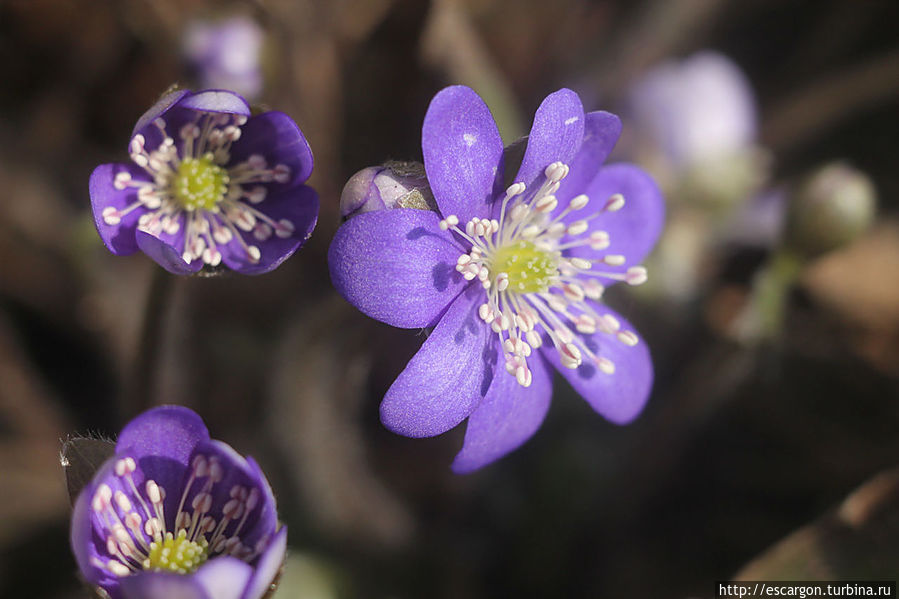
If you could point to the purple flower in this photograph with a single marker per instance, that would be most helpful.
(176, 514)
(698, 110)
(226, 54)
(509, 279)
(208, 184)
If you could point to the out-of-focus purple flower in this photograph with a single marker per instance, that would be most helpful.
(176, 514)
(696, 110)
(510, 279)
(394, 185)
(226, 54)
(208, 184)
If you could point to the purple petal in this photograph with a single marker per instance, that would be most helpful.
(297, 205)
(507, 417)
(620, 396)
(161, 107)
(237, 471)
(165, 254)
(216, 100)
(634, 229)
(267, 567)
(118, 238)
(601, 132)
(277, 138)
(448, 376)
(224, 577)
(82, 541)
(556, 134)
(166, 431)
(158, 585)
(463, 153)
(396, 266)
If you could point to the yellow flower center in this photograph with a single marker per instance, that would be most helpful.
(530, 269)
(200, 183)
(177, 554)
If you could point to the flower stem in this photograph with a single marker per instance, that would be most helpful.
(140, 388)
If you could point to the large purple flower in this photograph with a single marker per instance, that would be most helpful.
(176, 514)
(208, 184)
(509, 279)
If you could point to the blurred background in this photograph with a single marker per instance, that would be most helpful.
(768, 449)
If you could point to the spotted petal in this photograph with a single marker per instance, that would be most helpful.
(448, 376)
(507, 417)
(620, 396)
(298, 206)
(634, 229)
(556, 135)
(119, 238)
(396, 266)
(268, 566)
(463, 153)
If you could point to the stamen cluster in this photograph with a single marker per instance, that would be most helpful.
(195, 183)
(534, 290)
(138, 537)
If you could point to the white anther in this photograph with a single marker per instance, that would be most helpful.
(257, 162)
(463, 259)
(557, 302)
(609, 324)
(212, 257)
(102, 498)
(469, 228)
(256, 195)
(606, 365)
(515, 189)
(152, 527)
(579, 202)
(523, 376)
(182, 521)
(133, 521)
(519, 213)
(531, 231)
(202, 503)
(556, 230)
(494, 226)
(577, 227)
(636, 275)
(121, 180)
(580, 263)
(570, 355)
(154, 492)
(573, 291)
(502, 281)
(546, 204)
(111, 216)
(534, 339)
(585, 324)
(200, 466)
(233, 509)
(282, 173)
(252, 499)
(122, 501)
(216, 472)
(628, 338)
(118, 568)
(614, 259)
(452, 220)
(232, 133)
(615, 202)
(254, 253)
(486, 313)
(593, 289)
(137, 144)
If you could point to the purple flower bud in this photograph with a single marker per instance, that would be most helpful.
(394, 185)
(831, 208)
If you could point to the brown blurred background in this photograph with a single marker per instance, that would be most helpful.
(748, 460)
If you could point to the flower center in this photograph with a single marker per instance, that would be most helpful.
(200, 183)
(530, 269)
(177, 554)
(535, 286)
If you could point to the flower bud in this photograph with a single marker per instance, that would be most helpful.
(393, 185)
(830, 209)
